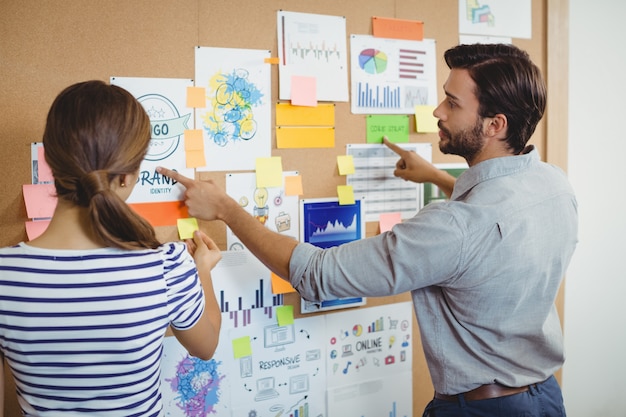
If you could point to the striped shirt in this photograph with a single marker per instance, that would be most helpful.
(82, 330)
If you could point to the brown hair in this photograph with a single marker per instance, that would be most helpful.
(507, 82)
(94, 133)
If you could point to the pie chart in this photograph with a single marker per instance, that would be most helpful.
(373, 61)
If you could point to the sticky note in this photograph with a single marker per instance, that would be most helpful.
(242, 347)
(321, 115)
(40, 200)
(284, 315)
(384, 27)
(44, 174)
(36, 228)
(186, 227)
(303, 90)
(388, 220)
(196, 97)
(280, 286)
(195, 159)
(269, 172)
(345, 164)
(305, 137)
(193, 140)
(345, 194)
(395, 127)
(293, 185)
(425, 122)
(272, 60)
(165, 213)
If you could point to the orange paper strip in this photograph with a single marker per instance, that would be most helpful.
(384, 27)
(161, 214)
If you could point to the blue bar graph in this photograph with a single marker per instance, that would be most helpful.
(378, 96)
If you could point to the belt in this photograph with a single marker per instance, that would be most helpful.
(484, 392)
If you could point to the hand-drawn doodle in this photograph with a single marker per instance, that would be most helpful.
(233, 97)
(197, 384)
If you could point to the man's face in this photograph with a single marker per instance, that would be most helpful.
(461, 128)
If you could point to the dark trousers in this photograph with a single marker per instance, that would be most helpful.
(541, 400)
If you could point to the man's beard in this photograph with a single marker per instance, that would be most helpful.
(465, 143)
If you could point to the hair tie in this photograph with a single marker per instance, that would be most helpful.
(95, 182)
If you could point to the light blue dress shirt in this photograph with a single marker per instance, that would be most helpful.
(483, 269)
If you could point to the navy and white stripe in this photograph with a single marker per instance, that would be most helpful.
(82, 330)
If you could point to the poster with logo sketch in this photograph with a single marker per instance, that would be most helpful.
(165, 101)
(236, 122)
(500, 18)
(269, 205)
(369, 366)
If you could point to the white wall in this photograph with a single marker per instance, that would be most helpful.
(594, 376)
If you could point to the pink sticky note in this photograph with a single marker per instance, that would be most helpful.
(388, 220)
(34, 229)
(303, 91)
(40, 200)
(44, 174)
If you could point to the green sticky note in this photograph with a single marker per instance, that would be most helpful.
(284, 315)
(186, 227)
(242, 347)
(395, 127)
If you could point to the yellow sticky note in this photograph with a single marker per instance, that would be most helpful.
(345, 164)
(269, 172)
(280, 286)
(388, 220)
(186, 227)
(303, 91)
(305, 137)
(193, 140)
(425, 122)
(345, 194)
(242, 347)
(284, 315)
(196, 97)
(322, 115)
(293, 185)
(195, 159)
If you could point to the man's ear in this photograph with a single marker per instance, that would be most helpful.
(497, 126)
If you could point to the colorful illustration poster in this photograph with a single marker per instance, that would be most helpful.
(391, 76)
(369, 361)
(502, 18)
(269, 205)
(313, 45)
(236, 121)
(165, 101)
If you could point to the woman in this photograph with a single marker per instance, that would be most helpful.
(85, 306)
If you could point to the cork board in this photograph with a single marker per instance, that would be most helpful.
(46, 46)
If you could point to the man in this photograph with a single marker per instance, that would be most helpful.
(483, 268)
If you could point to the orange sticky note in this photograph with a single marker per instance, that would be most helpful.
(384, 27)
(44, 174)
(196, 97)
(193, 140)
(303, 91)
(40, 200)
(321, 115)
(388, 220)
(280, 286)
(345, 194)
(272, 60)
(165, 213)
(293, 185)
(305, 137)
(195, 159)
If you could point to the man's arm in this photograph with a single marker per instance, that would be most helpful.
(412, 167)
(207, 201)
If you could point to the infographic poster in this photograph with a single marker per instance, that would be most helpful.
(236, 121)
(392, 76)
(369, 366)
(165, 101)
